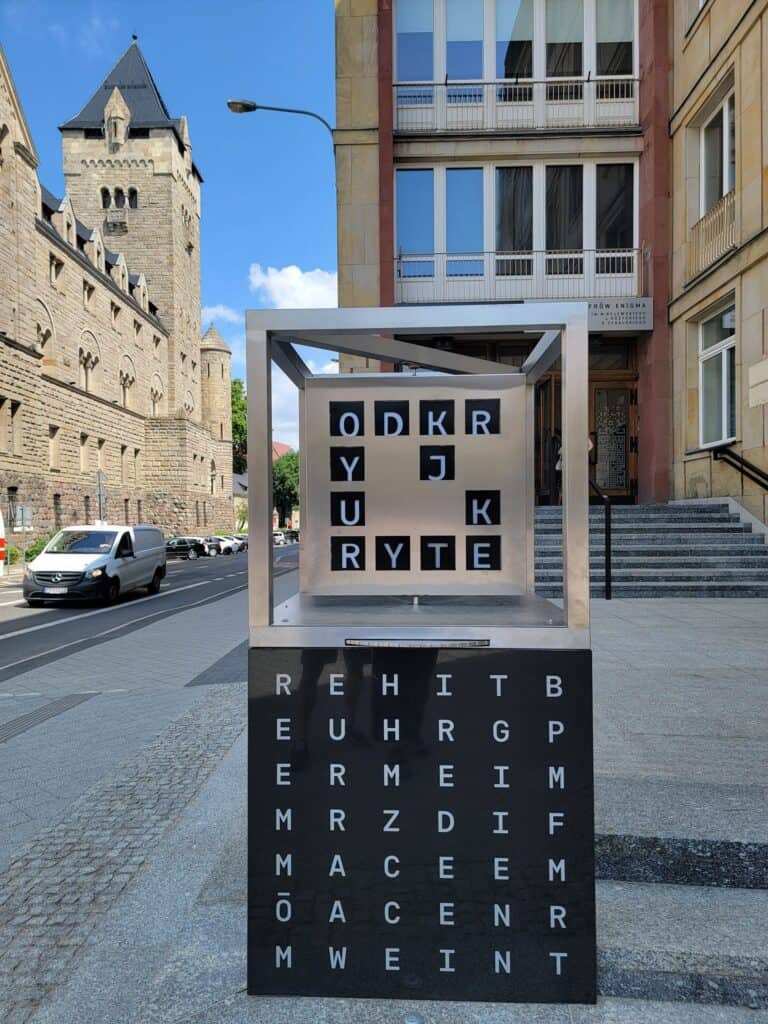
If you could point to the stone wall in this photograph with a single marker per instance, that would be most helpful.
(56, 429)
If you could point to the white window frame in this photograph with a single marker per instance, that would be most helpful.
(719, 351)
(722, 106)
(589, 200)
(440, 41)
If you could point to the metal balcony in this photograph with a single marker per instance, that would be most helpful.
(512, 106)
(712, 236)
(510, 276)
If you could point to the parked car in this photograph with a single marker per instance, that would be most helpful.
(230, 538)
(278, 537)
(185, 547)
(222, 546)
(243, 538)
(85, 562)
(292, 536)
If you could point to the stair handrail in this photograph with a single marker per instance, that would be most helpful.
(607, 539)
(747, 469)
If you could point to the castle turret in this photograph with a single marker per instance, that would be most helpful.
(129, 171)
(216, 386)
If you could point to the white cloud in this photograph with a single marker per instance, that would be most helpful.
(224, 314)
(293, 288)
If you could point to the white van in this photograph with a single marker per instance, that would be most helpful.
(103, 561)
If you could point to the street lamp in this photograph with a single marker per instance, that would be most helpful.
(248, 107)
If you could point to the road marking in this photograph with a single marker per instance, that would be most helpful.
(100, 611)
(112, 629)
(15, 602)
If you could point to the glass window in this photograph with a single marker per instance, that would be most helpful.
(464, 219)
(615, 35)
(615, 206)
(514, 209)
(464, 31)
(565, 38)
(717, 377)
(514, 38)
(416, 221)
(565, 207)
(718, 155)
(414, 28)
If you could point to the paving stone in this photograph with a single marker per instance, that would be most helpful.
(91, 856)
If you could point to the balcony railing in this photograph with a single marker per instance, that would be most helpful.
(508, 276)
(516, 105)
(713, 235)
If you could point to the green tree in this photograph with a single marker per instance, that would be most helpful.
(239, 427)
(285, 484)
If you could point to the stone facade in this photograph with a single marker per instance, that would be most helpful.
(719, 241)
(101, 362)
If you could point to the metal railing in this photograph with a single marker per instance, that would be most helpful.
(607, 538)
(516, 105)
(746, 468)
(507, 276)
(713, 235)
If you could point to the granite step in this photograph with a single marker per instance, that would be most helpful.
(667, 589)
(620, 528)
(622, 561)
(724, 573)
(683, 944)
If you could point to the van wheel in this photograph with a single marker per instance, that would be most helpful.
(34, 604)
(191, 553)
(113, 591)
(212, 552)
(154, 586)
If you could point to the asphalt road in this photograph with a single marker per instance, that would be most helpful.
(31, 637)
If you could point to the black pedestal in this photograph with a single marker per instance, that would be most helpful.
(421, 824)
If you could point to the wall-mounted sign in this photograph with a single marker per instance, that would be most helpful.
(420, 824)
(608, 315)
(414, 485)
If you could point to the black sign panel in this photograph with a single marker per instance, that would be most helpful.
(421, 824)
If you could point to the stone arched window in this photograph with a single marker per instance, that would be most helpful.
(106, 199)
(189, 403)
(87, 361)
(213, 476)
(133, 198)
(4, 133)
(127, 380)
(119, 198)
(44, 339)
(156, 395)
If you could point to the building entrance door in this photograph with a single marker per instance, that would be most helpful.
(613, 430)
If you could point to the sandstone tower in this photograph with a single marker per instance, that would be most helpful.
(128, 169)
(216, 386)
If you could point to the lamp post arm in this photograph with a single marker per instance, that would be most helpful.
(293, 110)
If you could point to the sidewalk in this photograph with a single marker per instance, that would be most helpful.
(682, 750)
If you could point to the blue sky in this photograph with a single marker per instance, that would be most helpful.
(268, 197)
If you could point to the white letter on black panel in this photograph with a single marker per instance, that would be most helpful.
(445, 867)
(558, 958)
(337, 913)
(502, 915)
(392, 774)
(282, 683)
(444, 691)
(389, 824)
(283, 818)
(337, 773)
(392, 866)
(284, 955)
(554, 686)
(341, 729)
(447, 967)
(337, 866)
(283, 864)
(336, 819)
(502, 962)
(556, 867)
(338, 958)
(554, 729)
(557, 776)
(391, 912)
(282, 774)
(392, 958)
(282, 728)
(556, 820)
(556, 916)
(445, 731)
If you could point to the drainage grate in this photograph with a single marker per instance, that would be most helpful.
(56, 707)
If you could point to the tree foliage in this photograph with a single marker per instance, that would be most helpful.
(239, 427)
(285, 484)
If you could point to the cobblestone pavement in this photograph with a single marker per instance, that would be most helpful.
(60, 884)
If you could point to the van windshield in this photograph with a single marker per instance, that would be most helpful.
(81, 542)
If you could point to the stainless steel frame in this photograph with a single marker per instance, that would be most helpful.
(315, 620)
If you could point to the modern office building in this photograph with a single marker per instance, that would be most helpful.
(517, 150)
(719, 290)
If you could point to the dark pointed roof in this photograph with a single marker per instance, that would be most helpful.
(137, 86)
